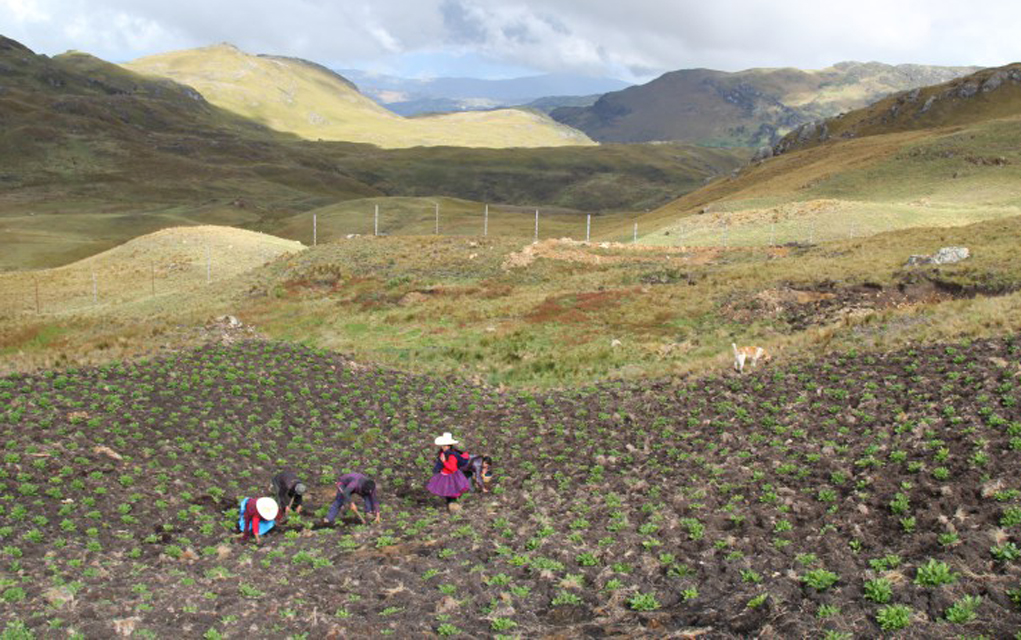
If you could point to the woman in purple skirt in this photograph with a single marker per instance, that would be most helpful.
(448, 480)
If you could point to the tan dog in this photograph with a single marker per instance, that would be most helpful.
(743, 354)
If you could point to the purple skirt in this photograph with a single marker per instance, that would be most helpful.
(448, 486)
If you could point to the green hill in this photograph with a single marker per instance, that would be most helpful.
(93, 154)
(985, 95)
(310, 101)
(941, 156)
(747, 108)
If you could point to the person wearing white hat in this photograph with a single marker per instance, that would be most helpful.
(256, 517)
(448, 480)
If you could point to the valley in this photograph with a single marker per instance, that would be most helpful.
(218, 265)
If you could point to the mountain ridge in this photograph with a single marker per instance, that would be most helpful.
(754, 107)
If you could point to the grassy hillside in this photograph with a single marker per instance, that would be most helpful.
(896, 164)
(515, 313)
(986, 95)
(746, 108)
(92, 155)
(310, 101)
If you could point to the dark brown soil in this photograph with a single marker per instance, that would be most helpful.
(704, 508)
(798, 308)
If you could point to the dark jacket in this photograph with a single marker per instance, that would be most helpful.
(348, 484)
(283, 485)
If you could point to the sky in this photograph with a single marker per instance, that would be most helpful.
(633, 40)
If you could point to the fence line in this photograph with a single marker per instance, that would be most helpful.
(65, 290)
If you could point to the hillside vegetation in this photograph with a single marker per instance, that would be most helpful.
(746, 108)
(942, 156)
(92, 155)
(545, 314)
(308, 100)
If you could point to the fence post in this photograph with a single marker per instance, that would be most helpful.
(37, 307)
(772, 234)
(437, 218)
(588, 226)
(375, 227)
(634, 238)
(95, 289)
(315, 229)
(209, 265)
(485, 223)
(153, 263)
(536, 225)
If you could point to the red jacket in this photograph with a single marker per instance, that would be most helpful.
(450, 462)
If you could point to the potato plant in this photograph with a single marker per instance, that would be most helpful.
(823, 499)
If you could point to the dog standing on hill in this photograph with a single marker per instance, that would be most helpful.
(743, 354)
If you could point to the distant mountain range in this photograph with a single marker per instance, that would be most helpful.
(409, 97)
(747, 108)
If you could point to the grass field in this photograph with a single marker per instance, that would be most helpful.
(854, 188)
(510, 312)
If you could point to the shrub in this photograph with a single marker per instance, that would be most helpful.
(503, 624)
(934, 573)
(963, 610)
(879, 590)
(820, 579)
(446, 629)
(894, 617)
(1006, 552)
(643, 602)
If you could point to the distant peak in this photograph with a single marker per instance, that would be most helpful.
(224, 46)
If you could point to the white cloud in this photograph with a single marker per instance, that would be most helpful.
(637, 37)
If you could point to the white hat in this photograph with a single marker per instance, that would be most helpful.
(267, 508)
(446, 438)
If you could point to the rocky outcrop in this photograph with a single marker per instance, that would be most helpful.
(905, 110)
(946, 255)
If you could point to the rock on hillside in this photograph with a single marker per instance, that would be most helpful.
(747, 108)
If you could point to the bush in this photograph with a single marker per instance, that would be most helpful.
(820, 579)
(643, 602)
(963, 610)
(894, 617)
(934, 573)
(16, 630)
(879, 590)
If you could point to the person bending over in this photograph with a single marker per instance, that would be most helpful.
(289, 491)
(354, 484)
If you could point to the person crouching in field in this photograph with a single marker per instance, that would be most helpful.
(256, 517)
(289, 491)
(354, 483)
(448, 480)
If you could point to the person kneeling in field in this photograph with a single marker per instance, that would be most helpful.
(289, 491)
(354, 483)
(257, 517)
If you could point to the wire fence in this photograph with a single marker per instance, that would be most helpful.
(90, 284)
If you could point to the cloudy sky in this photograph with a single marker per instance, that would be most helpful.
(633, 40)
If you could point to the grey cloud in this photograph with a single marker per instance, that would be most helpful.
(461, 26)
(638, 37)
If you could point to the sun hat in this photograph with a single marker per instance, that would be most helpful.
(446, 438)
(299, 489)
(267, 508)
